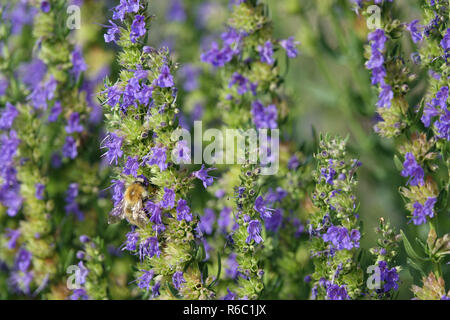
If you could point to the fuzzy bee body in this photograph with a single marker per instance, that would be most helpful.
(131, 206)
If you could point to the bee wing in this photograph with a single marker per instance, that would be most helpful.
(116, 214)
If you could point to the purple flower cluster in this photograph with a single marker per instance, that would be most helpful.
(71, 206)
(157, 156)
(389, 277)
(149, 247)
(412, 170)
(254, 231)
(176, 11)
(114, 145)
(242, 83)
(422, 211)
(9, 190)
(20, 278)
(124, 7)
(231, 47)
(178, 280)
(414, 29)
(341, 239)
(78, 63)
(202, 175)
(290, 46)
(183, 211)
(266, 52)
(42, 93)
(376, 64)
(438, 108)
(264, 117)
(207, 221)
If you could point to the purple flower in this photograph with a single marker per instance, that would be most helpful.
(83, 238)
(328, 175)
(413, 28)
(178, 280)
(4, 83)
(232, 270)
(241, 81)
(390, 277)
(78, 63)
(202, 174)
(39, 193)
(155, 290)
(13, 235)
(412, 170)
(137, 28)
(81, 273)
(20, 281)
(189, 74)
(45, 6)
(32, 73)
(114, 144)
(10, 198)
(230, 295)
(125, 6)
(70, 148)
(168, 200)
(165, 79)
(264, 117)
(155, 212)
(261, 208)
(149, 247)
(73, 124)
(218, 57)
(293, 163)
(157, 156)
(131, 166)
(207, 221)
(254, 230)
(335, 292)
(421, 212)
(145, 279)
(224, 219)
(71, 206)
(290, 46)
(183, 211)
(55, 111)
(23, 260)
(376, 61)
(181, 153)
(131, 242)
(341, 239)
(118, 187)
(113, 33)
(42, 93)
(176, 11)
(266, 52)
(385, 97)
(443, 126)
(445, 42)
(79, 294)
(7, 117)
(273, 223)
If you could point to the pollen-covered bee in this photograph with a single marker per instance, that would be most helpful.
(131, 205)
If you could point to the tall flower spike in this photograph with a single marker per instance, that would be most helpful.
(334, 227)
(139, 146)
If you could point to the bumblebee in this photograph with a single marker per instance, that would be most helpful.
(131, 206)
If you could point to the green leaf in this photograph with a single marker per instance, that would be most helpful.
(398, 163)
(415, 266)
(219, 270)
(174, 291)
(409, 249)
